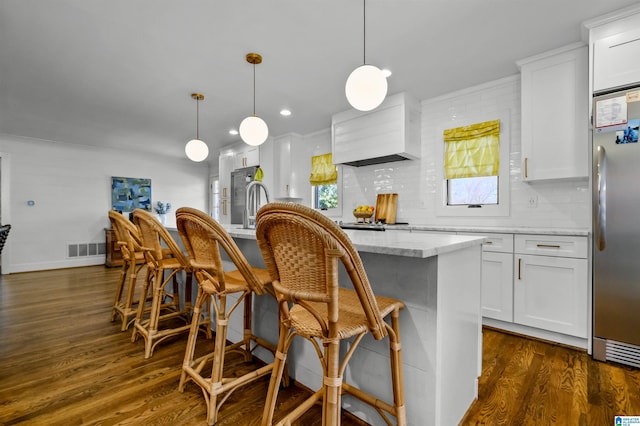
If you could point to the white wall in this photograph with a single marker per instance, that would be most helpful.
(71, 187)
(561, 204)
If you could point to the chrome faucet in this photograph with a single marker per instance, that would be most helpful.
(252, 203)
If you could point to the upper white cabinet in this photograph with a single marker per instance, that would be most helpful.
(246, 156)
(284, 185)
(615, 41)
(555, 114)
(391, 132)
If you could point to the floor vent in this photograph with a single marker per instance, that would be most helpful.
(623, 353)
(86, 249)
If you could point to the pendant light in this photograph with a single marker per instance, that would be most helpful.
(195, 149)
(366, 86)
(253, 129)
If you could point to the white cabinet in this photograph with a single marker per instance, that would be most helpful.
(245, 156)
(284, 184)
(616, 44)
(555, 114)
(550, 289)
(497, 276)
(226, 164)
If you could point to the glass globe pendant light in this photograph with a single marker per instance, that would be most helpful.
(366, 86)
(195, 149)
(253, 130)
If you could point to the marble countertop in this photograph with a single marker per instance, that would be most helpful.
(393, 243)
(584, 232)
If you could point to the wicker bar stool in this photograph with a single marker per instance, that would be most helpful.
(164, 260)
(128, 239)
(302, 250)
(205, 240)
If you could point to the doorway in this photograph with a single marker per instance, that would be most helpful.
(5, 212)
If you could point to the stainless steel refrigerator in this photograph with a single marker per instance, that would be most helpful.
(240, 178)
(616, 226)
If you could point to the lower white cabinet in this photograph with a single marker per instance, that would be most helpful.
(550, 286)
(497, 285)
(497, 276)
(536, 285)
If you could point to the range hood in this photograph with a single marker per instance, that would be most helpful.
(389, 133)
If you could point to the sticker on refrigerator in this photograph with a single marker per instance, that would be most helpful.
(630, 134)
(611, 112)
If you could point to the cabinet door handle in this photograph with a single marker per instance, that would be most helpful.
(548, 246)
(224, 192)
(224, 207)
(526, 167)
(519, 264)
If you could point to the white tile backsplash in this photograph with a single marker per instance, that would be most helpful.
(560, 204)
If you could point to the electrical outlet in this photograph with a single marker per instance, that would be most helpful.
(533, 201)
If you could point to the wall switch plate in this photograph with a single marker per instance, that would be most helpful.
(533, 201)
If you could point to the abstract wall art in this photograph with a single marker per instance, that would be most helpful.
(128, 194)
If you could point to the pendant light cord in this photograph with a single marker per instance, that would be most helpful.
(254, 89)
(197, 118)
(364, 32)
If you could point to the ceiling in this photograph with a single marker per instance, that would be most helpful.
(120, 73)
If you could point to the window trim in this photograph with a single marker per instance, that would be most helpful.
(503, 206)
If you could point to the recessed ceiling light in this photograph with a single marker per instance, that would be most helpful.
(387, 73)
(233, 132)
(285, 112)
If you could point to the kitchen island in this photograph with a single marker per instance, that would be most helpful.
(438, 278)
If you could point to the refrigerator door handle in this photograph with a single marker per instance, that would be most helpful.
(601, 212)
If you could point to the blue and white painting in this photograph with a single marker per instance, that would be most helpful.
(128, 194)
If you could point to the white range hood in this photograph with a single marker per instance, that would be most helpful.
(391, 132)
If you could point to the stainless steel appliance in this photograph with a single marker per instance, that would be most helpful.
(240, 178)
(616, 225)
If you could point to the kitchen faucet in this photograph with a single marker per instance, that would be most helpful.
(252, 203)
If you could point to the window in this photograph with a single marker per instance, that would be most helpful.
(325, 197)
(472, 191)
(324, 184)
(475, 169)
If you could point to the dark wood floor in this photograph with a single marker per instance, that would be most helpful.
(63, 363)
(529, 382)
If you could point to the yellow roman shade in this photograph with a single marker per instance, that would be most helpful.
(323, 171)
(472, 151)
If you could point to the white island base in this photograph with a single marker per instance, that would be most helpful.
(438, 278)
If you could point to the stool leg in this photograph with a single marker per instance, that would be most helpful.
(120, 286)
(193, 337)
(331, 402)
(248, 331)
(276, 376)
(395, 352)
(150, 276)
(131, 283)
(218, 359)
(154, 314)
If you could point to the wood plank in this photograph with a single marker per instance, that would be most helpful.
(530, 382)
(63, 362)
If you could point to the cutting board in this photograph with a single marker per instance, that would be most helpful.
(386, 205)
